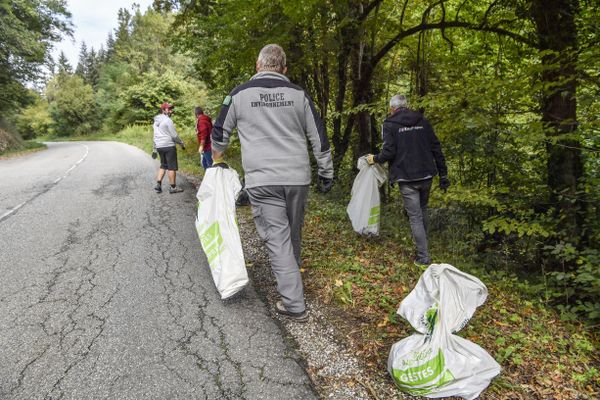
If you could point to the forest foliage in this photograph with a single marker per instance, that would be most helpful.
(511, 87)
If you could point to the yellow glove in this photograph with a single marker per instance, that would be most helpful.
(370, 159)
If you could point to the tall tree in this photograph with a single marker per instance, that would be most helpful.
(91, 67)
(124, 28)
(557, 36)
(110, 47)
(27, 31)
(81, 68)
(64, 67)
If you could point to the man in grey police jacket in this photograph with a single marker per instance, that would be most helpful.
(274, 119)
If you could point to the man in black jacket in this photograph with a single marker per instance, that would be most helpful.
(415, 156)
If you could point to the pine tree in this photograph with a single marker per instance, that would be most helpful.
(91, 68)
(81, 69)
(123, 30)
(63, 64)
(110, 47)
(101, 56)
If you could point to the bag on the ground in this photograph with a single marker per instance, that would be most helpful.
(364, 207)
(218, 230)
(434, 362)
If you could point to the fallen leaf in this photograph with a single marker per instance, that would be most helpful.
(383, 323)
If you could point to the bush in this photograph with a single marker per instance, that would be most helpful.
(34, 120)
(139, 103)
(72, 105)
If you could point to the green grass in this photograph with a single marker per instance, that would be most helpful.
(29, 146)
(367, 278)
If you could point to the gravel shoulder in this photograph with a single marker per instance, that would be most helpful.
(329, 360)
(330, 363)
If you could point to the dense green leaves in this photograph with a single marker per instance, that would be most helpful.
(484, 73)
(72, 105)
(27, 30)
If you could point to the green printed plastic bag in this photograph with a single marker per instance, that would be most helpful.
(218, 231)
(435, 362)
(364, 207)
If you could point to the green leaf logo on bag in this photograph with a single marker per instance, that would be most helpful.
(212, 242)
(431, 317)
(422, 378)
(374, 215)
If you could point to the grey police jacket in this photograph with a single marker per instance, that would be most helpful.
(274, 119)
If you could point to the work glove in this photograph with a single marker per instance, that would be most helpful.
(154, 155)
(324, 184)
(370, 159)
(444, 183)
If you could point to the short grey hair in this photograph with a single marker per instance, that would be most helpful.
(398, 101)
(271, 58)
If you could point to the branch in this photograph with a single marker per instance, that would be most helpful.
(443, 30)
(428, 10)
(403, 11)
(459, 9)
(368, 9)
(445, 25)
(487, 13)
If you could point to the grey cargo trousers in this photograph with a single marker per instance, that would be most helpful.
(278, 213)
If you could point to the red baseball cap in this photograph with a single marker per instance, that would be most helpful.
(166, 106)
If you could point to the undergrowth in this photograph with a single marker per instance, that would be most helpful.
(542, 356)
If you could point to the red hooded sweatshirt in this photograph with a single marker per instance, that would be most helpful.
(203, 129)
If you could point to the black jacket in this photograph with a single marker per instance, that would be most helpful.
(413, 151)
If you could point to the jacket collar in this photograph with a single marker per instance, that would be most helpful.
(270, 75)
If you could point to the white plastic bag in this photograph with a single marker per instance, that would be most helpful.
(364, 207)
(435, 363)
(218, 231)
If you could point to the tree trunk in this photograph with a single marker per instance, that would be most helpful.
(557, 34)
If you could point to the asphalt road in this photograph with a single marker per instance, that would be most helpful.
(105, 292)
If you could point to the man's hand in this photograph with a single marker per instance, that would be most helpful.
(154, 155)
(444, 183)
(370, 159)
(200, 150)
(324, 184)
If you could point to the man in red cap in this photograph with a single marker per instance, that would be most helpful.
(165, 138)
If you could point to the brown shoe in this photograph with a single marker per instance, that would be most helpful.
(294, 316)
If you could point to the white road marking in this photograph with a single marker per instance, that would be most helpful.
(14, 209)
